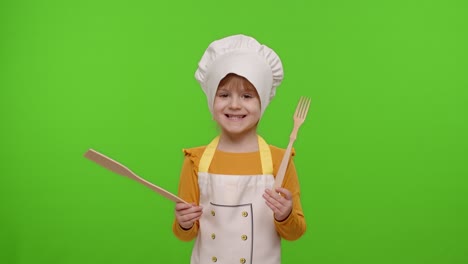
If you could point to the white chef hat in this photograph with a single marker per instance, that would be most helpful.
(244, 56)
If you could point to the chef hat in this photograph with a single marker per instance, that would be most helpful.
(244, 56)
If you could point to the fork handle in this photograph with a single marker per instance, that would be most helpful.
(284, 163)
(293, 135)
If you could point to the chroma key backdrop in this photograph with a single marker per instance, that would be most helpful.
(382, 158)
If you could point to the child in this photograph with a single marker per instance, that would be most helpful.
(235, 215)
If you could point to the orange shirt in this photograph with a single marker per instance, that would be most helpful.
(240, 164)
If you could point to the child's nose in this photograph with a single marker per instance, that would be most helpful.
(235, 102)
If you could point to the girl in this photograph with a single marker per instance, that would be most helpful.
(235, 215)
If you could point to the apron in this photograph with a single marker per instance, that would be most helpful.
(236, 225)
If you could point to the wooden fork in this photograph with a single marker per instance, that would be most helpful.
(299, 117)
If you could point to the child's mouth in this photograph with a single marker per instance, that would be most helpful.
(235, 117)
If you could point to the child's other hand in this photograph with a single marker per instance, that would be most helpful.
(280, 201)
(187, 214)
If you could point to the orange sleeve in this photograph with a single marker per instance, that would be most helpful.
(188, 190)
(294, 226)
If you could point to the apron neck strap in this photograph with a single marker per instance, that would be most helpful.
(264, 149)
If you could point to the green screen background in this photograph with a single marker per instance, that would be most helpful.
(382, 157)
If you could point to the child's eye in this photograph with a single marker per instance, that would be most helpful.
(247, 96)
(223, 95)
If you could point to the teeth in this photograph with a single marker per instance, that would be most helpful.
(235, 116)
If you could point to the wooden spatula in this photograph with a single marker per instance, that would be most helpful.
(118, 168)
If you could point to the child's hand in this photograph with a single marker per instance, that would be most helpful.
(187, 214)
(280, 201)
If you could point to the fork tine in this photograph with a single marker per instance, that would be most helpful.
(306, 107)
(303, 107)
(298, 108)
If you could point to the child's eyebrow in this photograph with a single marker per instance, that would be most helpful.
(224, 88)
(248, 89)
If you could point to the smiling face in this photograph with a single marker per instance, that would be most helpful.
(237, 106)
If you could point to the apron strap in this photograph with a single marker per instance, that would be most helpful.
(264, 149)
(208, 154)
(265, 156)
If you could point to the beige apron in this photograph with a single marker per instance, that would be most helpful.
(236, 225)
